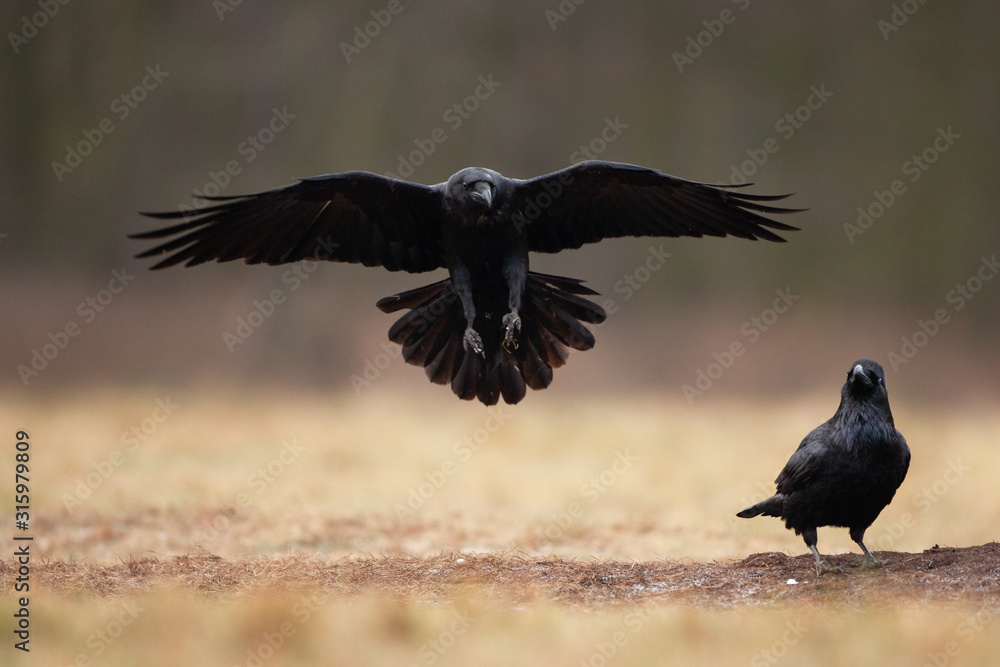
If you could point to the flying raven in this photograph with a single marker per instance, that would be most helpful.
(846, 470)
(493, 327)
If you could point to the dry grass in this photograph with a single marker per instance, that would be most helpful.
(578, 528)
(943, 576)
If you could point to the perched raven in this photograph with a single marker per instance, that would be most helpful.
(492, 327)
(846, 470)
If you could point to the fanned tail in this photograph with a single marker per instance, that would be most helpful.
(553, 315)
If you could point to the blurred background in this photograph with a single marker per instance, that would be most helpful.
(881, 118)
(261, 411)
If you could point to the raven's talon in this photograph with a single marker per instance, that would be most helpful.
(822, 567)
(511, 323)
(472, 341)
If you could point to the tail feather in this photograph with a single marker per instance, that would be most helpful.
(465, 380)
(536, 370)
(440, 368)
(418, 350)
(427, 328)
(553, 352)
(412, 298)
(552, 319)
(773, 506)
(512, 382)
(569, 330)
(571, 285)
(489, 389)
(576, 307)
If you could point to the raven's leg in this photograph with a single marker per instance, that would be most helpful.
(858, 535)
(515, 271)
(822, 567)
(462, 282)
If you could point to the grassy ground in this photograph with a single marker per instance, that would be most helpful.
(208, 527)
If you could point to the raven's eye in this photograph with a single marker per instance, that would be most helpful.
(466, 186)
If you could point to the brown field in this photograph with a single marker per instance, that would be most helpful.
(289, 528)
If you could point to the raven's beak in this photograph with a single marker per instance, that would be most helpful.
(483, 191)
(858, 374)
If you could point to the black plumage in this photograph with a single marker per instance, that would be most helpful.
(846, 470)
(493, 327)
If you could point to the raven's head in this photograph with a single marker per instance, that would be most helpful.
(866, 382)
(864, 411)
(472, 190)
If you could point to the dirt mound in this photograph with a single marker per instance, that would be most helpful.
(942, 575)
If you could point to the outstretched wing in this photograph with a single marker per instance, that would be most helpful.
(595, 200)
(355, 217)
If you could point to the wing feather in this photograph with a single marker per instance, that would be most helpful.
(595, 200)
(355, 217)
